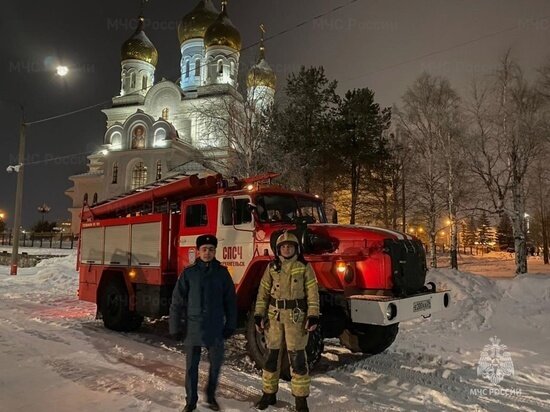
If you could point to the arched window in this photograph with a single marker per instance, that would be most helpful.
(116, 140)
(187, 68)
(159, 170)
(232, 73)
(115, 173)
(144, 82)
(220, 68)
(133, 80)
(139, 175)
(197, 67)
(160, 136)
(94, 201)
(85, 198)
(165, 112)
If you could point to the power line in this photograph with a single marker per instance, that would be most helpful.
(280, 33)
(444, 50)
(68, 113)
(53, 159)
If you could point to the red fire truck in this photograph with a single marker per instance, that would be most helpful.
(133, 247)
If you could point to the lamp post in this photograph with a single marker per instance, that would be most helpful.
(43, 210)
(61, 71)
(18, 194)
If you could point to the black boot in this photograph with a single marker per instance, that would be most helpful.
(189, 408)
(301, 404)
(266, 400)
(213, 404)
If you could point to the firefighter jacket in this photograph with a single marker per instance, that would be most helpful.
(204, 302)
(291, 280)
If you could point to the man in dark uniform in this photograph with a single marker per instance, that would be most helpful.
(203, 313)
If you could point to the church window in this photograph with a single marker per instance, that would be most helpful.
(187, 68)
(159, 170)
(132, 80)
(220, 68)
(160, 137)
(197, 67)
(94, 201)
(232, 73)
(139, 175)
(115, 173)
(116, 140)
(165, 113)
(144, 82)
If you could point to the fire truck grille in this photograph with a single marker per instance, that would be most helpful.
(408, 265)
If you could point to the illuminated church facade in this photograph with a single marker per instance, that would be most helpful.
(154, 129)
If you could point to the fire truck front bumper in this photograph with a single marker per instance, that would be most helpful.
(386, 310)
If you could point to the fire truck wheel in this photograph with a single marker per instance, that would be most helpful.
(369, 339)
(257, 348)
(114, 308)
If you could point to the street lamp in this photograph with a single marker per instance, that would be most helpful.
(43, 210)
(62, 71)
(19, 169)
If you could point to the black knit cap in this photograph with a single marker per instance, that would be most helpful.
(207, 240)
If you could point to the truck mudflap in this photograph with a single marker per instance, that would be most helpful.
(387, 310)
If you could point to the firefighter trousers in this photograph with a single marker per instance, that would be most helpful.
(286, 328)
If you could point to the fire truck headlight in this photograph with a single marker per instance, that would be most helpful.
(391, 311)
(341, 267)
(349, 274)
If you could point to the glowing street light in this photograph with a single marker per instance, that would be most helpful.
(62, 71)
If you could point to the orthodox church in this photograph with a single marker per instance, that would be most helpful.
(154, 129)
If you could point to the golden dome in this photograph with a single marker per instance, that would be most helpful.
(261, 74)
(139, 47)
(222, 32)
(194, 24)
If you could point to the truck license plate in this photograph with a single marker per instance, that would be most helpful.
(422, 305)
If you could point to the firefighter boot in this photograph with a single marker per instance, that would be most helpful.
(266, 400)
(301, 404)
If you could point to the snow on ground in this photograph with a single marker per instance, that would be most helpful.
(55, 356)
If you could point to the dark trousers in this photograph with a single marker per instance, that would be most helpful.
(193, 357)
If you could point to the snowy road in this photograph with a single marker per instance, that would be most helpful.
(55, 356)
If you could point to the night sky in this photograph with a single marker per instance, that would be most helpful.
(382, 44)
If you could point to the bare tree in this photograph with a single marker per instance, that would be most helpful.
(430, 119)
(234, 134)
(505, 139)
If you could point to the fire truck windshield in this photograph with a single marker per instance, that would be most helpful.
(288, 209)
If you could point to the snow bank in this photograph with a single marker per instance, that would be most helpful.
(54, 275)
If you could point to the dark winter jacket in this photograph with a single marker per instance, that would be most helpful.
(204, 304)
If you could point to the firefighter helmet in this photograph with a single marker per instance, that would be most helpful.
(288, 237)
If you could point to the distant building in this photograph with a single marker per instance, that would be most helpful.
(154, 129)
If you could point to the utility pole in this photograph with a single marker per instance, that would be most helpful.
(18, 196)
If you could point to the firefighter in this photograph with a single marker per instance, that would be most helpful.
(287, 308)
(203, 312)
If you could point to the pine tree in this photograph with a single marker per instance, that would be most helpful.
(303, 126)
(505, 235)
(484, 236)
(469, 231)
(362, 146)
